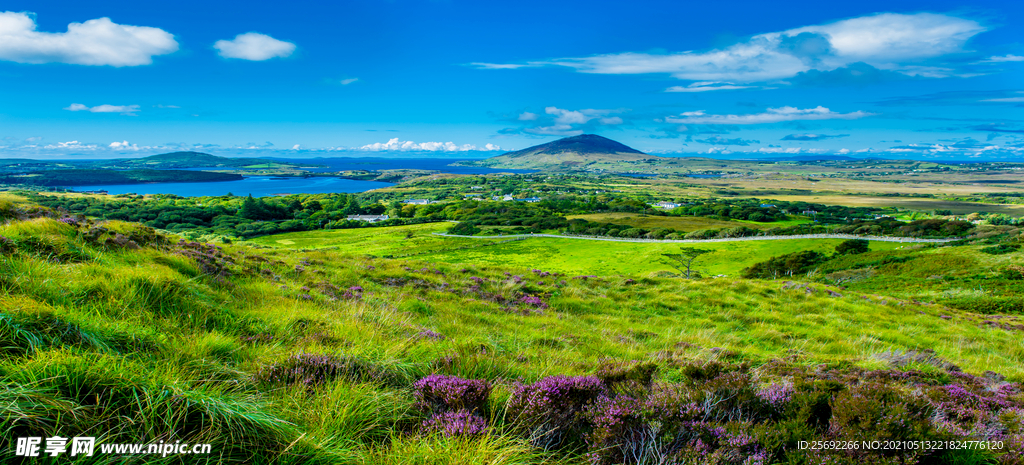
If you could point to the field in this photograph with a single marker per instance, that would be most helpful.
(396, 345)
(571, 256)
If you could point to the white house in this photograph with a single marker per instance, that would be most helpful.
(666, 205)
(367, 218)
(418, 201)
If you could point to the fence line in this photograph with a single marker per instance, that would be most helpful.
(725, 239)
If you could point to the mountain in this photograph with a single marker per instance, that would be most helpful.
(570, 153)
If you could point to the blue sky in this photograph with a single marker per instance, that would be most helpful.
(936, 79)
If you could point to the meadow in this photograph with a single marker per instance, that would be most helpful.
(570, 256)
(396, 345)
(323, 356)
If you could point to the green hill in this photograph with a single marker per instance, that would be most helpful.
(178, 160)
(97, 177)
(112, 330)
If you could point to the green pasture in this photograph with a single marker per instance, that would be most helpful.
(574, 256)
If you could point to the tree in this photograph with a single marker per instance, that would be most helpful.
(852, 246)
(683, 261)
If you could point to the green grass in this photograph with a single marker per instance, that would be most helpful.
(140, 345)
(572, 256)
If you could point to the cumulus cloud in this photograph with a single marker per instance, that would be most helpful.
(409, 146)
(773, 115)
(254, 46)
(122, 109)
(348, 81)
(813, 137)
(95, 42)
(888, 41)
(705, 86)
(123, 145)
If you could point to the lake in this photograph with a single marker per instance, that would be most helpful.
(257, 186)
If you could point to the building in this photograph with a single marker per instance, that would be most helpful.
(666, 205)
(418, 201)
(529, 200)
(367, 218)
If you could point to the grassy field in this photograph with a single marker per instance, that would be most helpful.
(572, 256)
(316, 352)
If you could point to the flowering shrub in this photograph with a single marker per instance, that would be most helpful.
(550, 411)
(456, 423)
(69, 221)
(442, 393)
(315, 369)
(211, 258)
(532, 301)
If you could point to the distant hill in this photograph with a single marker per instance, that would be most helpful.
(570, 153)
(87, 177)
(179, 160)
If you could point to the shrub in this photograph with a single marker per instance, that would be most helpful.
(456, 423)
(852, 247)
(444, 393)
(316, 369)
(1000, 249)
(550, 412)
(877, 412)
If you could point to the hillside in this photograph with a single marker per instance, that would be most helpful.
(110, 329)
(570, 153)
(179, 160)
(98, 177)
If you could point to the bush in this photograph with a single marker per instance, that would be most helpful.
(550, 412)
(1001, 249)
(852, 247)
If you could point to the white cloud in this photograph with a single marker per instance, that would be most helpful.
(254, 46)
(348, 81)
(501, 65)
(887, 41)
(296, 146)
(1002, 59)
(527, 116)
(773, 115)
(576, 116)
(611, 120)
(705, 86)
(95, 42)
(124, 145)
(122, 109)
(408, 145)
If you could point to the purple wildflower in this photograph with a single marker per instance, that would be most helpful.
(456, 423)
